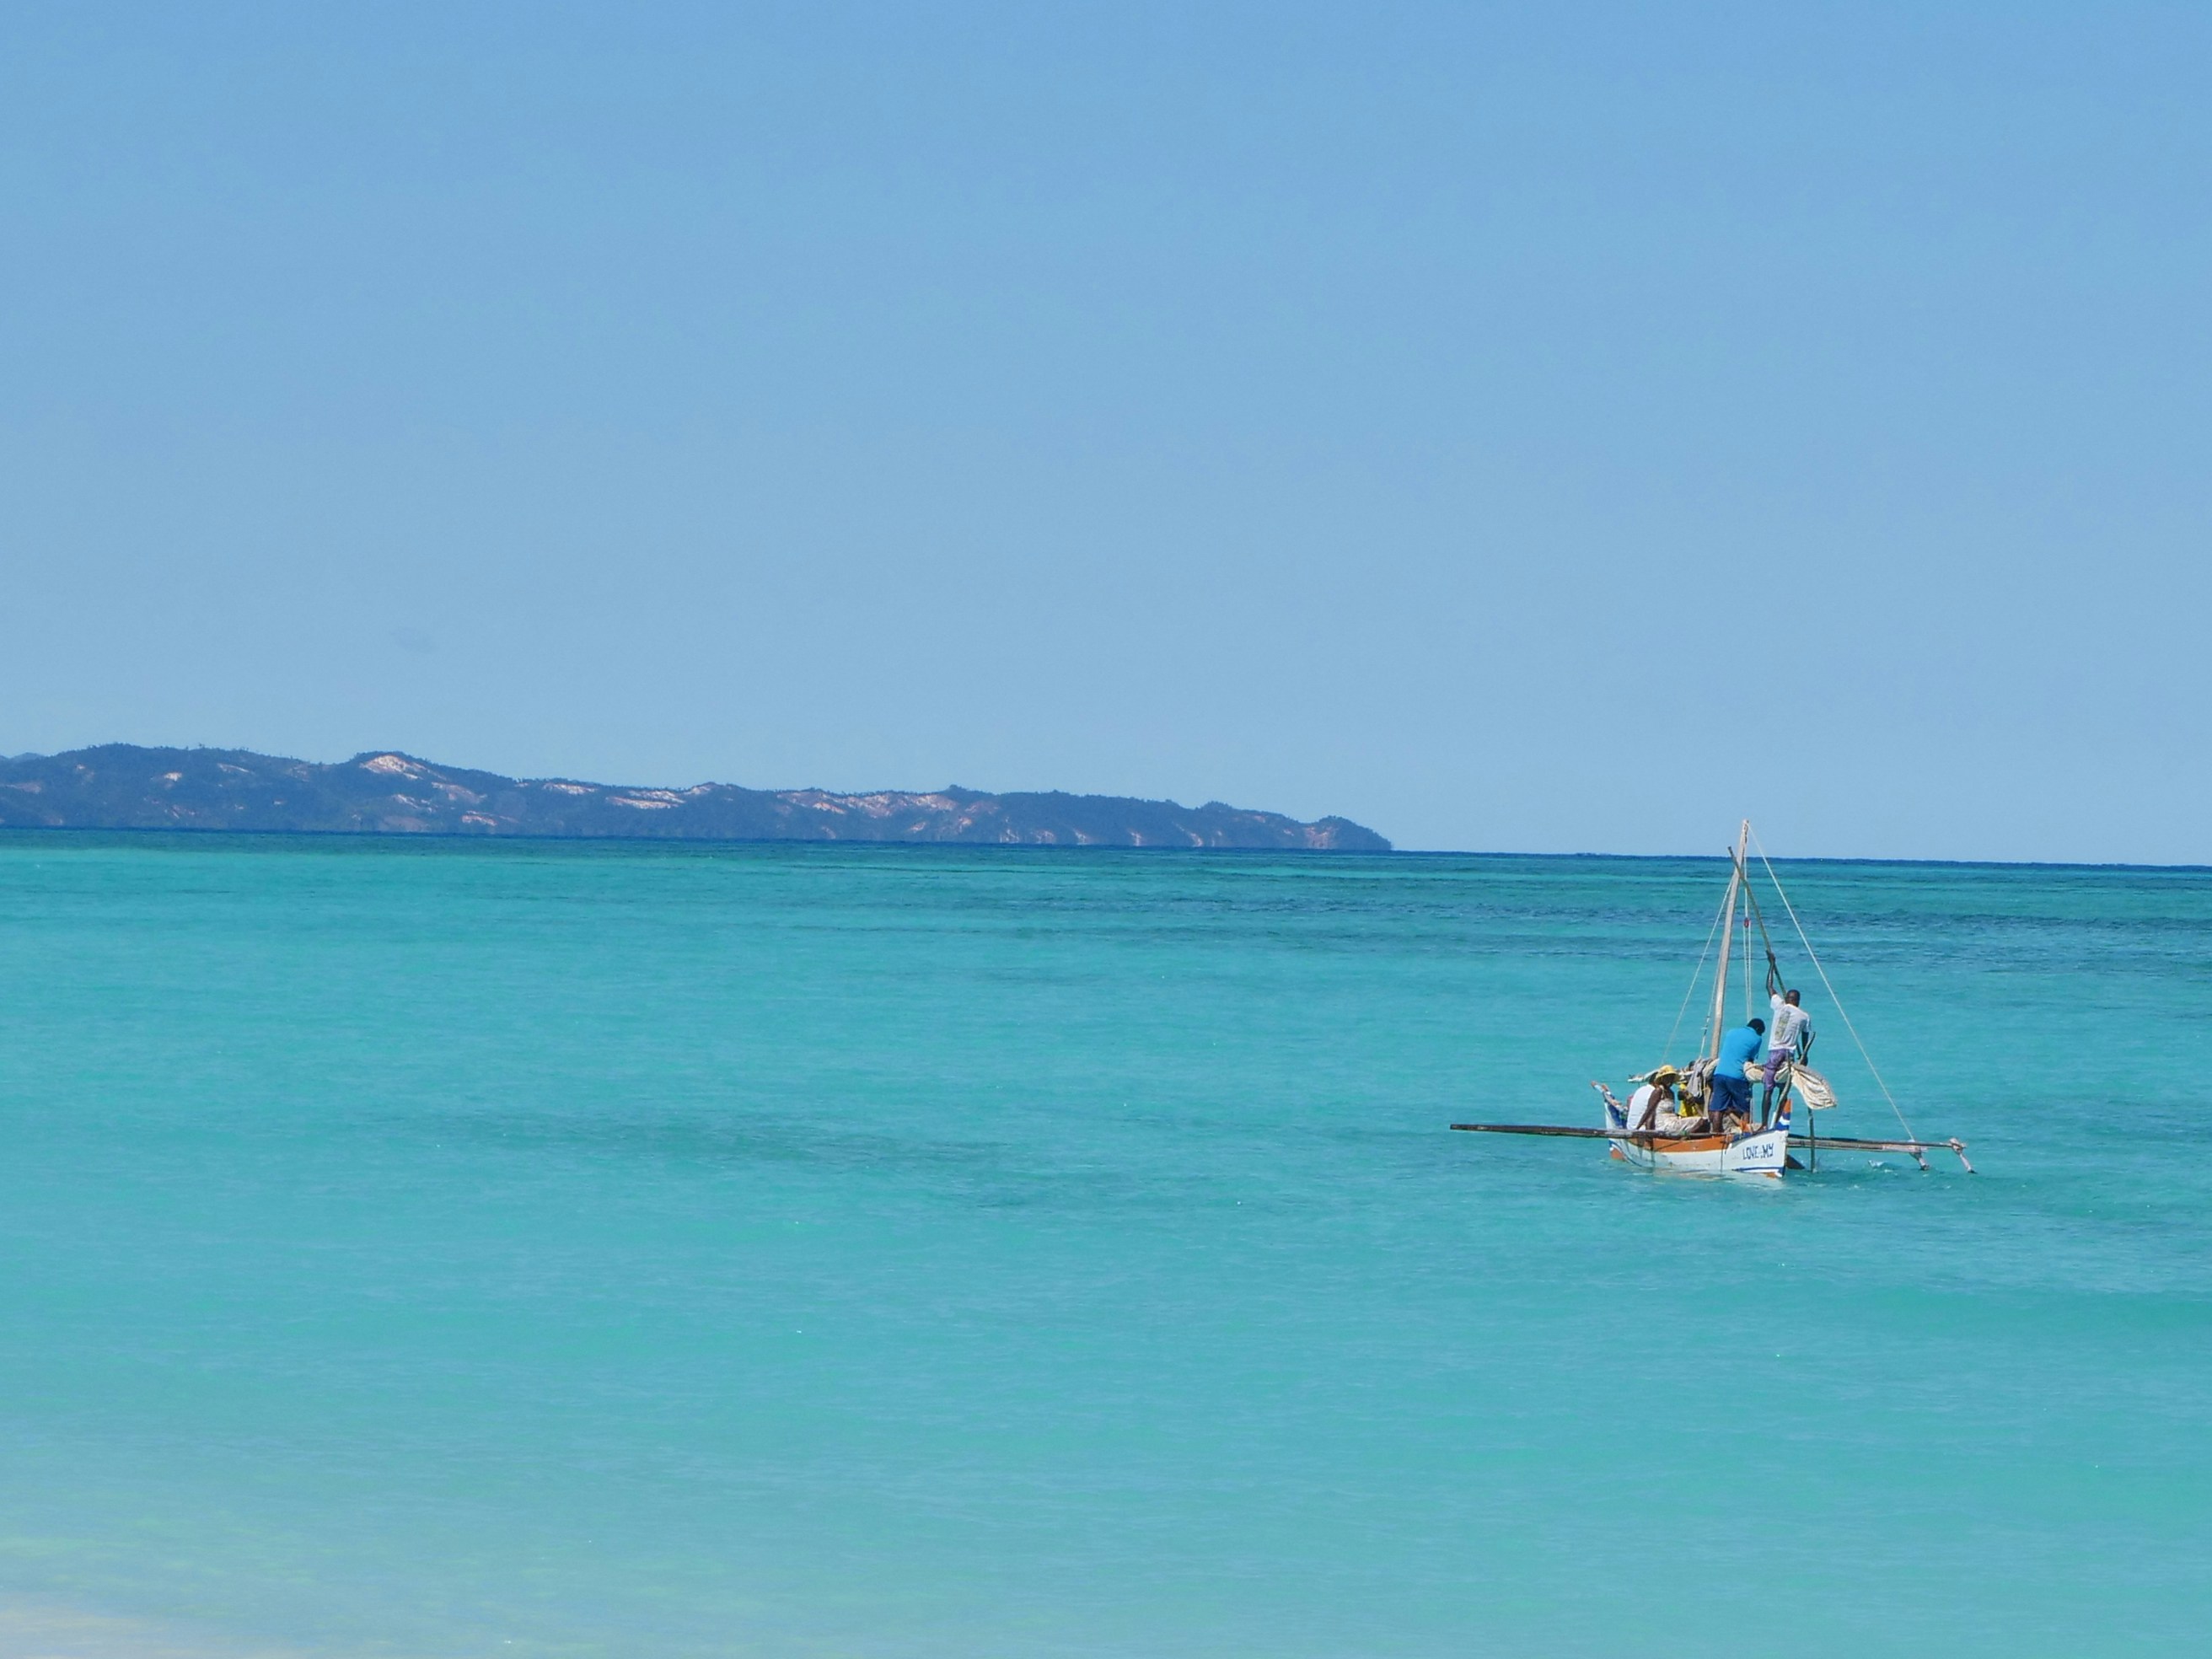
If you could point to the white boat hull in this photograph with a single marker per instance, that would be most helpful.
(1761, 1152)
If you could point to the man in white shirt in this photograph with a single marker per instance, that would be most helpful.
(1654, 1101)
(1656, 1109)
(1786, 1037)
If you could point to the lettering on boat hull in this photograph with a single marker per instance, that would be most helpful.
(1763, 1154)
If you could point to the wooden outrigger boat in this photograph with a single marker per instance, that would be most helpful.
(1702, 1141)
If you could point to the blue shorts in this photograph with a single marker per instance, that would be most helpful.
(1731, 1094)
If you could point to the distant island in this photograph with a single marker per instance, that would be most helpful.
(121, 786)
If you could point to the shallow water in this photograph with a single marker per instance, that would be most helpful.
(443, 1249)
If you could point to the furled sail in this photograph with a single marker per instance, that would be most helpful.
(1812, 1088)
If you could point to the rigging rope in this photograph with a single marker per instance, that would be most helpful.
(1748, 1004)
(1833, 997)
(1773, 967)
(1693, 991)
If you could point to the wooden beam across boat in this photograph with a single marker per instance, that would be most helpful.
(1646, 1137)
(1643, 1137)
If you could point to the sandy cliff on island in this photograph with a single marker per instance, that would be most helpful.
(123, 786)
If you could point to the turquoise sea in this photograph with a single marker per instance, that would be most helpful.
(429, 1248)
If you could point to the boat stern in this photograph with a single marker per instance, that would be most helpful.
(1761, 1152)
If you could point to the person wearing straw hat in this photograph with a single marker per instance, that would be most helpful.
(1654, 1100)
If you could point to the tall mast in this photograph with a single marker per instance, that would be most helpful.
(1728, 941)
(1743, 875)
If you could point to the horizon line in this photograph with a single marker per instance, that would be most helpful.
(418, 836)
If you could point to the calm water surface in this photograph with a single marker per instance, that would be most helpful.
(449, 1250)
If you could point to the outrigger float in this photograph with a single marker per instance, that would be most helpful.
(1692, 1139)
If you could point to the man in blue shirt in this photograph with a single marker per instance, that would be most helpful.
(1731, 1088)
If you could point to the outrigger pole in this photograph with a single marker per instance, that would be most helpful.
(1650, 1137)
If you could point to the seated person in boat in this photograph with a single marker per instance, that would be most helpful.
(1653, 1106)
(1731, 1095)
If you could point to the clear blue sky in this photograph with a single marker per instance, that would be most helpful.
(1543, 428)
